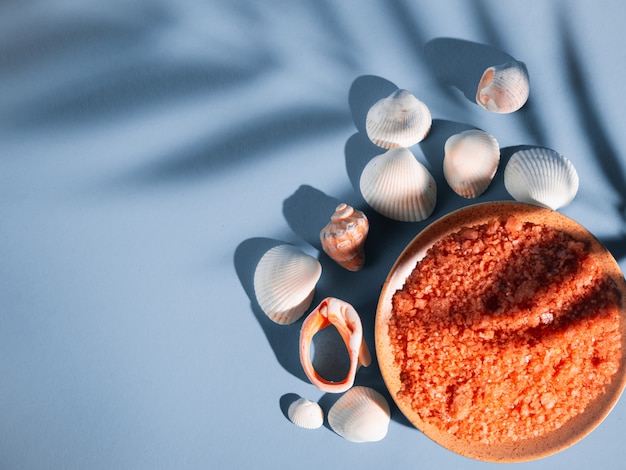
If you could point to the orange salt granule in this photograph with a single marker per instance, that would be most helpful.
(505, 331)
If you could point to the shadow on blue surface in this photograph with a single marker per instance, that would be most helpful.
(605, 151)
(460, 63)
(284, 339)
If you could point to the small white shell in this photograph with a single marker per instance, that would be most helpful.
(284, 283)
(398, 186)
(470, 162)
(306, 414)
(504, 88)
(361, 415)
(542, 177)
(399, 120)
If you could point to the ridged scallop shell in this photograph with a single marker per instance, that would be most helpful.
(542, 177)
(346, 320)
(470, 162)
(360, 415)
(396, 185)
(306, 414)
(399, 120)
(504, 88)
(284, 283)
(343, 238)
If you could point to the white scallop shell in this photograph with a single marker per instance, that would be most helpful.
(542, 177)
(284, 283)
(306, 414)
(504, 88)
(396, 185)
(470, 162)
(360, 415)
(399, 120)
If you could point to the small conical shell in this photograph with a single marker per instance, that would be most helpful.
(346, 320)
(306, 414)
(360, 415)
(284, 283)
(399, 120)
(343, 238)
(542, 177)
(396, 185)
(504, 88)
(470, 162)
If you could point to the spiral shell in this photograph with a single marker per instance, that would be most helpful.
(504, 88)
(306, 414)
(470, 162)
(346, 320)
(284, 283)
(398, 186)
(542, 177)
(399, 120)
(343, 238)
(360, 415)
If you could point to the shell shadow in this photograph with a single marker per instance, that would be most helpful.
(284, 339)
(359, 150)
(364, 92)
(286, 400)
(307, 211)
(461, 63)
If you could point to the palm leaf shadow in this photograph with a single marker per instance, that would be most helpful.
(605, 152)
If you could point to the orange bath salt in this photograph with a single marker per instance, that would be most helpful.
(505, 331)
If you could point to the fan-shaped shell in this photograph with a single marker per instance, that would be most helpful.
(504, 88)
(346, 320)
(305, 413)
(542, 177)
(399, 120)
(398, 186)
(470, 162)
(360, 415)
(284, 282)
(343, 238)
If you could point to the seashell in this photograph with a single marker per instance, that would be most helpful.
(360, 415)
(343, 238)
(343, 316)
(399, 120)
(398, 186)
(470, 162)
(284, 283)
(504, 88)
(542, 177)
(306, 414)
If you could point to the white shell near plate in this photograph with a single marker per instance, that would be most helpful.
(284, 283)
(360, 415)
(504, 88)
(399, 120)
(542, 177)
(305, 413)
(470, 162)
(396, 185)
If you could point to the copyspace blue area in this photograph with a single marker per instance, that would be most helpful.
(150, 151)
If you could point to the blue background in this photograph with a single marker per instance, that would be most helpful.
(150, 151)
